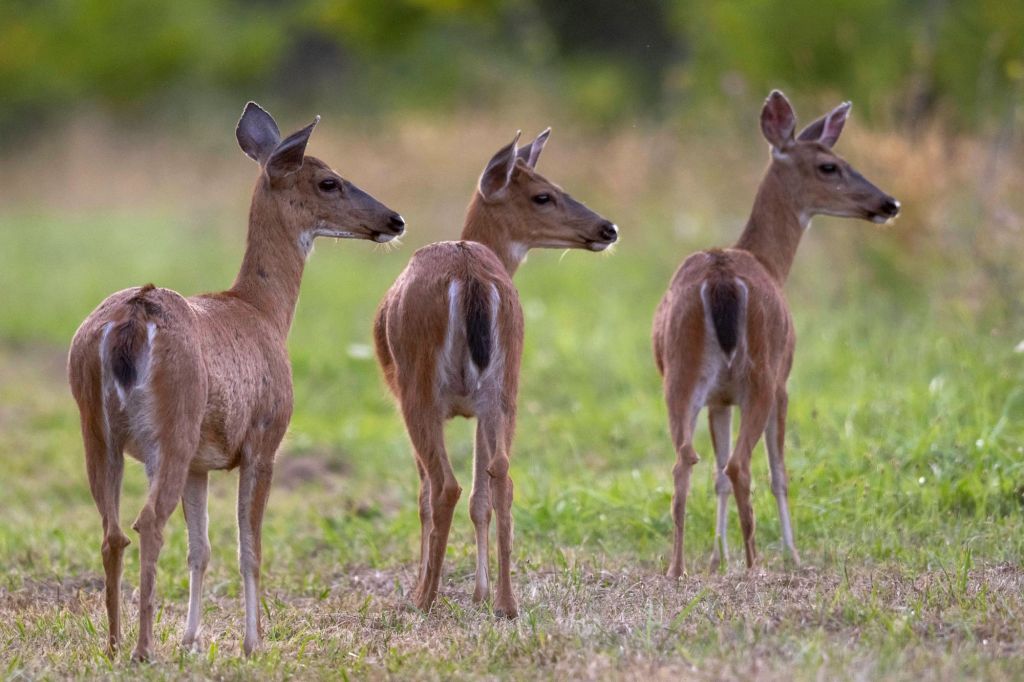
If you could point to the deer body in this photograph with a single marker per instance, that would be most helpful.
(449, 338)
(190, 385)
(723, 333)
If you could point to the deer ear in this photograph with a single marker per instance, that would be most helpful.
(287, 156)
(529, 154)
(778, 120)
(827, 129)
(257, 133)
(498, 172)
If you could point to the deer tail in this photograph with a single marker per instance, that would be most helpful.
(127, 339)
(725, 311)
(479, 323)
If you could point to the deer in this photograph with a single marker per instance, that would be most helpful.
(449, 340)
(723, 333)
(198, 384)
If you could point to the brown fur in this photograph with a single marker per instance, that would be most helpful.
(698, 371)
(209, 388)
(426, 364)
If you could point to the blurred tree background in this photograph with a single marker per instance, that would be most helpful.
(903, 61)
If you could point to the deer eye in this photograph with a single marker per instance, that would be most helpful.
(329, 185)
(541, 199)
(828, 168)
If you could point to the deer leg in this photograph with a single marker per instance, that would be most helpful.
(501, 491)
(425, 526)
(754, 417)
(193, 504)
(683, 408)
(775, 437)
(720, 423)
(105, 466)
(254, 478)
(480, 504)
(427, 435)
(169, 468)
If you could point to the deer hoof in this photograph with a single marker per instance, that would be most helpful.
(506, 608)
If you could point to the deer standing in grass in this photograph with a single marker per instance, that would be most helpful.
(449, 337)
(190, 385)
(723, 333)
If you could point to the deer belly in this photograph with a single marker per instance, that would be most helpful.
(213, 455)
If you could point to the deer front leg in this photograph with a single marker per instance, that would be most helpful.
(720, 422)
(480, 504)
(193, 504)
(254, 479)
(753, 419)
(775, 437)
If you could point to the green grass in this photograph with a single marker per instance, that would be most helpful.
(904, 452)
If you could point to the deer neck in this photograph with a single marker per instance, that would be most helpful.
(272, 267)
(495, 227)
(776, 224)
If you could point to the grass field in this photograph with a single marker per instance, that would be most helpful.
(904, 449)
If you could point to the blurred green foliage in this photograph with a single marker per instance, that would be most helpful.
(606, 59)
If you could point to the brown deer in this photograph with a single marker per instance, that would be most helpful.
(449, 337)
(723, 333)
(190, 385)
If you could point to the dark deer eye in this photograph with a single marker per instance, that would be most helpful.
(828, 168)
(542, 199)
(329, 185)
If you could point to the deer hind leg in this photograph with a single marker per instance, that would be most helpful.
(480, 503)
(193, 504)
(684, 405)
(168, 470)
(775, 437)
(720, 423)
(254, 479)
(753, 419)
(427, 434)
(426, 524)
(501, 492)
(105, 465)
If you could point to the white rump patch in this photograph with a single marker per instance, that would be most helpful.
(444, 360)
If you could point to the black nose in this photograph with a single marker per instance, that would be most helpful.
(396, 223)
(891, 207)
(608, 232)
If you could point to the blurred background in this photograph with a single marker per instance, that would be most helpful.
(119, 104)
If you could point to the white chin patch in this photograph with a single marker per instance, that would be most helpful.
(599, 246)
(382, 238)
(879, 219)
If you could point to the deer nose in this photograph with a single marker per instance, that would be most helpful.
(609, 232)
(396, 223)
(891, 207)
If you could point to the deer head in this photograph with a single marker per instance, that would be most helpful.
(540, 213)
(821, 181)
(311, 199)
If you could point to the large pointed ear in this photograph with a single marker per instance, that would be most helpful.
(498, 172)
(287, 156)
(257, 133)
(778, 120)
(827, 129)
(530, 153)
